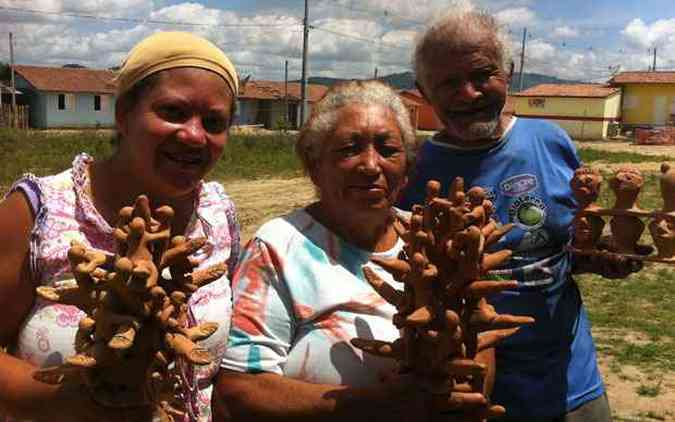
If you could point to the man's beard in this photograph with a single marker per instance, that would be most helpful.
(478, 130)
(481, 130)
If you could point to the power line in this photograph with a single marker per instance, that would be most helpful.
(373, 13)
(357, 38)
(136, 20)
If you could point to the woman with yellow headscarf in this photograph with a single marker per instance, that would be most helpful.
(176, 95)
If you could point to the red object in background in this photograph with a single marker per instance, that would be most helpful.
(663, 136)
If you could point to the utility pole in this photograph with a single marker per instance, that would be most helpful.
(522, 61)
(286, 92)
(11, 66)
(654, 62)
(375, 74)
(303, 84)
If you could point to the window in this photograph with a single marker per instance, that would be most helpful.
(97, 103)
(537, 102)
(631, 102)
(66, 102)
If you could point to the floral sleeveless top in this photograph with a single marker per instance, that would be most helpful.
(64, 212)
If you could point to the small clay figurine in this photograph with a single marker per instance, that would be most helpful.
(585, 186)
(662, 228)
(626, 229)
(667, 183)
(587, 227)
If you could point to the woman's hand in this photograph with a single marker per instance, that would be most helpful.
(23, 397)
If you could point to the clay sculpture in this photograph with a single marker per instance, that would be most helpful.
(626, 223)
(626, 229)
(134, 345)
(662, 228)
(442, 313)
(586, 188)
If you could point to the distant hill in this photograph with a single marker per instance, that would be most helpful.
(406, 80)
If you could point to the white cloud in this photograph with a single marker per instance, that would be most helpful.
(516, 17)
(364, 34)
(565, 32)
(640, 34)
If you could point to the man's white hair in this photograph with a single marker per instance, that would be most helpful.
(463, 24)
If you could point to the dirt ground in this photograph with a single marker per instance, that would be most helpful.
(259, 201)
(625, 146)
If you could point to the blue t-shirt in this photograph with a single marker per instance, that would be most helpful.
(547, 368)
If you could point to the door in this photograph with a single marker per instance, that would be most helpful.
(660, 110)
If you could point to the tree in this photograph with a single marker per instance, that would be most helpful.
(5, 72)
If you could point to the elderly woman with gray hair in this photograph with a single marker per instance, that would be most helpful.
(299, 293)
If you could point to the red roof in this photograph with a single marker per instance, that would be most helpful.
(644, 78)
(273, 90)
(571, 90)
(63, 79)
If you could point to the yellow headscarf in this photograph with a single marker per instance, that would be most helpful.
(168, 50)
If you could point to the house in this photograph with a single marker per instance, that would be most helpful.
(67, 97)
(585, 111)
(413, 107)
(648, 98)
(427, 119)
(272, 105)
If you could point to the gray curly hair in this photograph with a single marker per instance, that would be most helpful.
(460, 26)
(323, 120)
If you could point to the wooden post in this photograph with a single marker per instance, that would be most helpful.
(11, 64)
(286, 116)
(303, 83)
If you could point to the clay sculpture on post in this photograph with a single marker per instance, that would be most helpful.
(626, 223)
(134, 346)
(442, 313)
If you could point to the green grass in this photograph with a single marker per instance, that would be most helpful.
(589, 155)
(258, 157)
(635, 316)
(649, 390)
(43, 153)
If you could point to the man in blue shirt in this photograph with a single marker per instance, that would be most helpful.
(548, 370)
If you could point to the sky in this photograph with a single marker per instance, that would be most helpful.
(584, 40)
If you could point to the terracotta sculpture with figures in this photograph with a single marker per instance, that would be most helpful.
(136, 327)
(442, 310)
(627, 219)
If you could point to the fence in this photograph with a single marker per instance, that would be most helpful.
(21, 116)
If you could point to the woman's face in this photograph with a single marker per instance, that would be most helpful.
(174, 134)
(362, 164)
